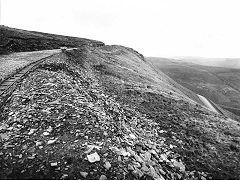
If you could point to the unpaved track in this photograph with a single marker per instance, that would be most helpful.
(14, 61)
(6, 84)
(207, 103)
(9, 83)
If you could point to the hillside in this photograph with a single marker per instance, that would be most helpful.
(106, 113)
(17, 40)
(221, 85)
(233, 63)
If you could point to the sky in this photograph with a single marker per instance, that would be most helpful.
(161, 28)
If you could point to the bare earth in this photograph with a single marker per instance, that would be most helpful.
(9, 63)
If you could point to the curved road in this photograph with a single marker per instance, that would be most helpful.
(9, 63)
(207, 103)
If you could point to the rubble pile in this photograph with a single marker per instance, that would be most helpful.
(61, 122)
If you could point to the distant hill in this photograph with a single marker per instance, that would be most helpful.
(217, 62)
(219, 84)
(17, 40)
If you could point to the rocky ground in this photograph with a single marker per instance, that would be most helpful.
(12, 62)
(103, 113)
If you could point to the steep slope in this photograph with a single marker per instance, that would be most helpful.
(221, 85)
(105, 113)
(17, 40)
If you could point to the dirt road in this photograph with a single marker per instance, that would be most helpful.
(207, 103)
(9, 63)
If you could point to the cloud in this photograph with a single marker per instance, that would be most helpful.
(154, 27)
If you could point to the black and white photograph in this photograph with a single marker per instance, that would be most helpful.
(120, 89)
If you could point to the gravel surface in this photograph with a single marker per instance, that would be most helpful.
(9, 63)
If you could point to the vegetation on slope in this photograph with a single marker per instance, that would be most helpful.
(104, 113)
(17, 40)
(221, 85)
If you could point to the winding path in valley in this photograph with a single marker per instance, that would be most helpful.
(207, 104)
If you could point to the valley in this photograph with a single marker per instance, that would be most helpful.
(221, 85)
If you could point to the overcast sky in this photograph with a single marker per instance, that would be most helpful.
(208, 28)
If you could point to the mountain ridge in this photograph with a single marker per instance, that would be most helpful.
(17, 40)
(217, 62)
